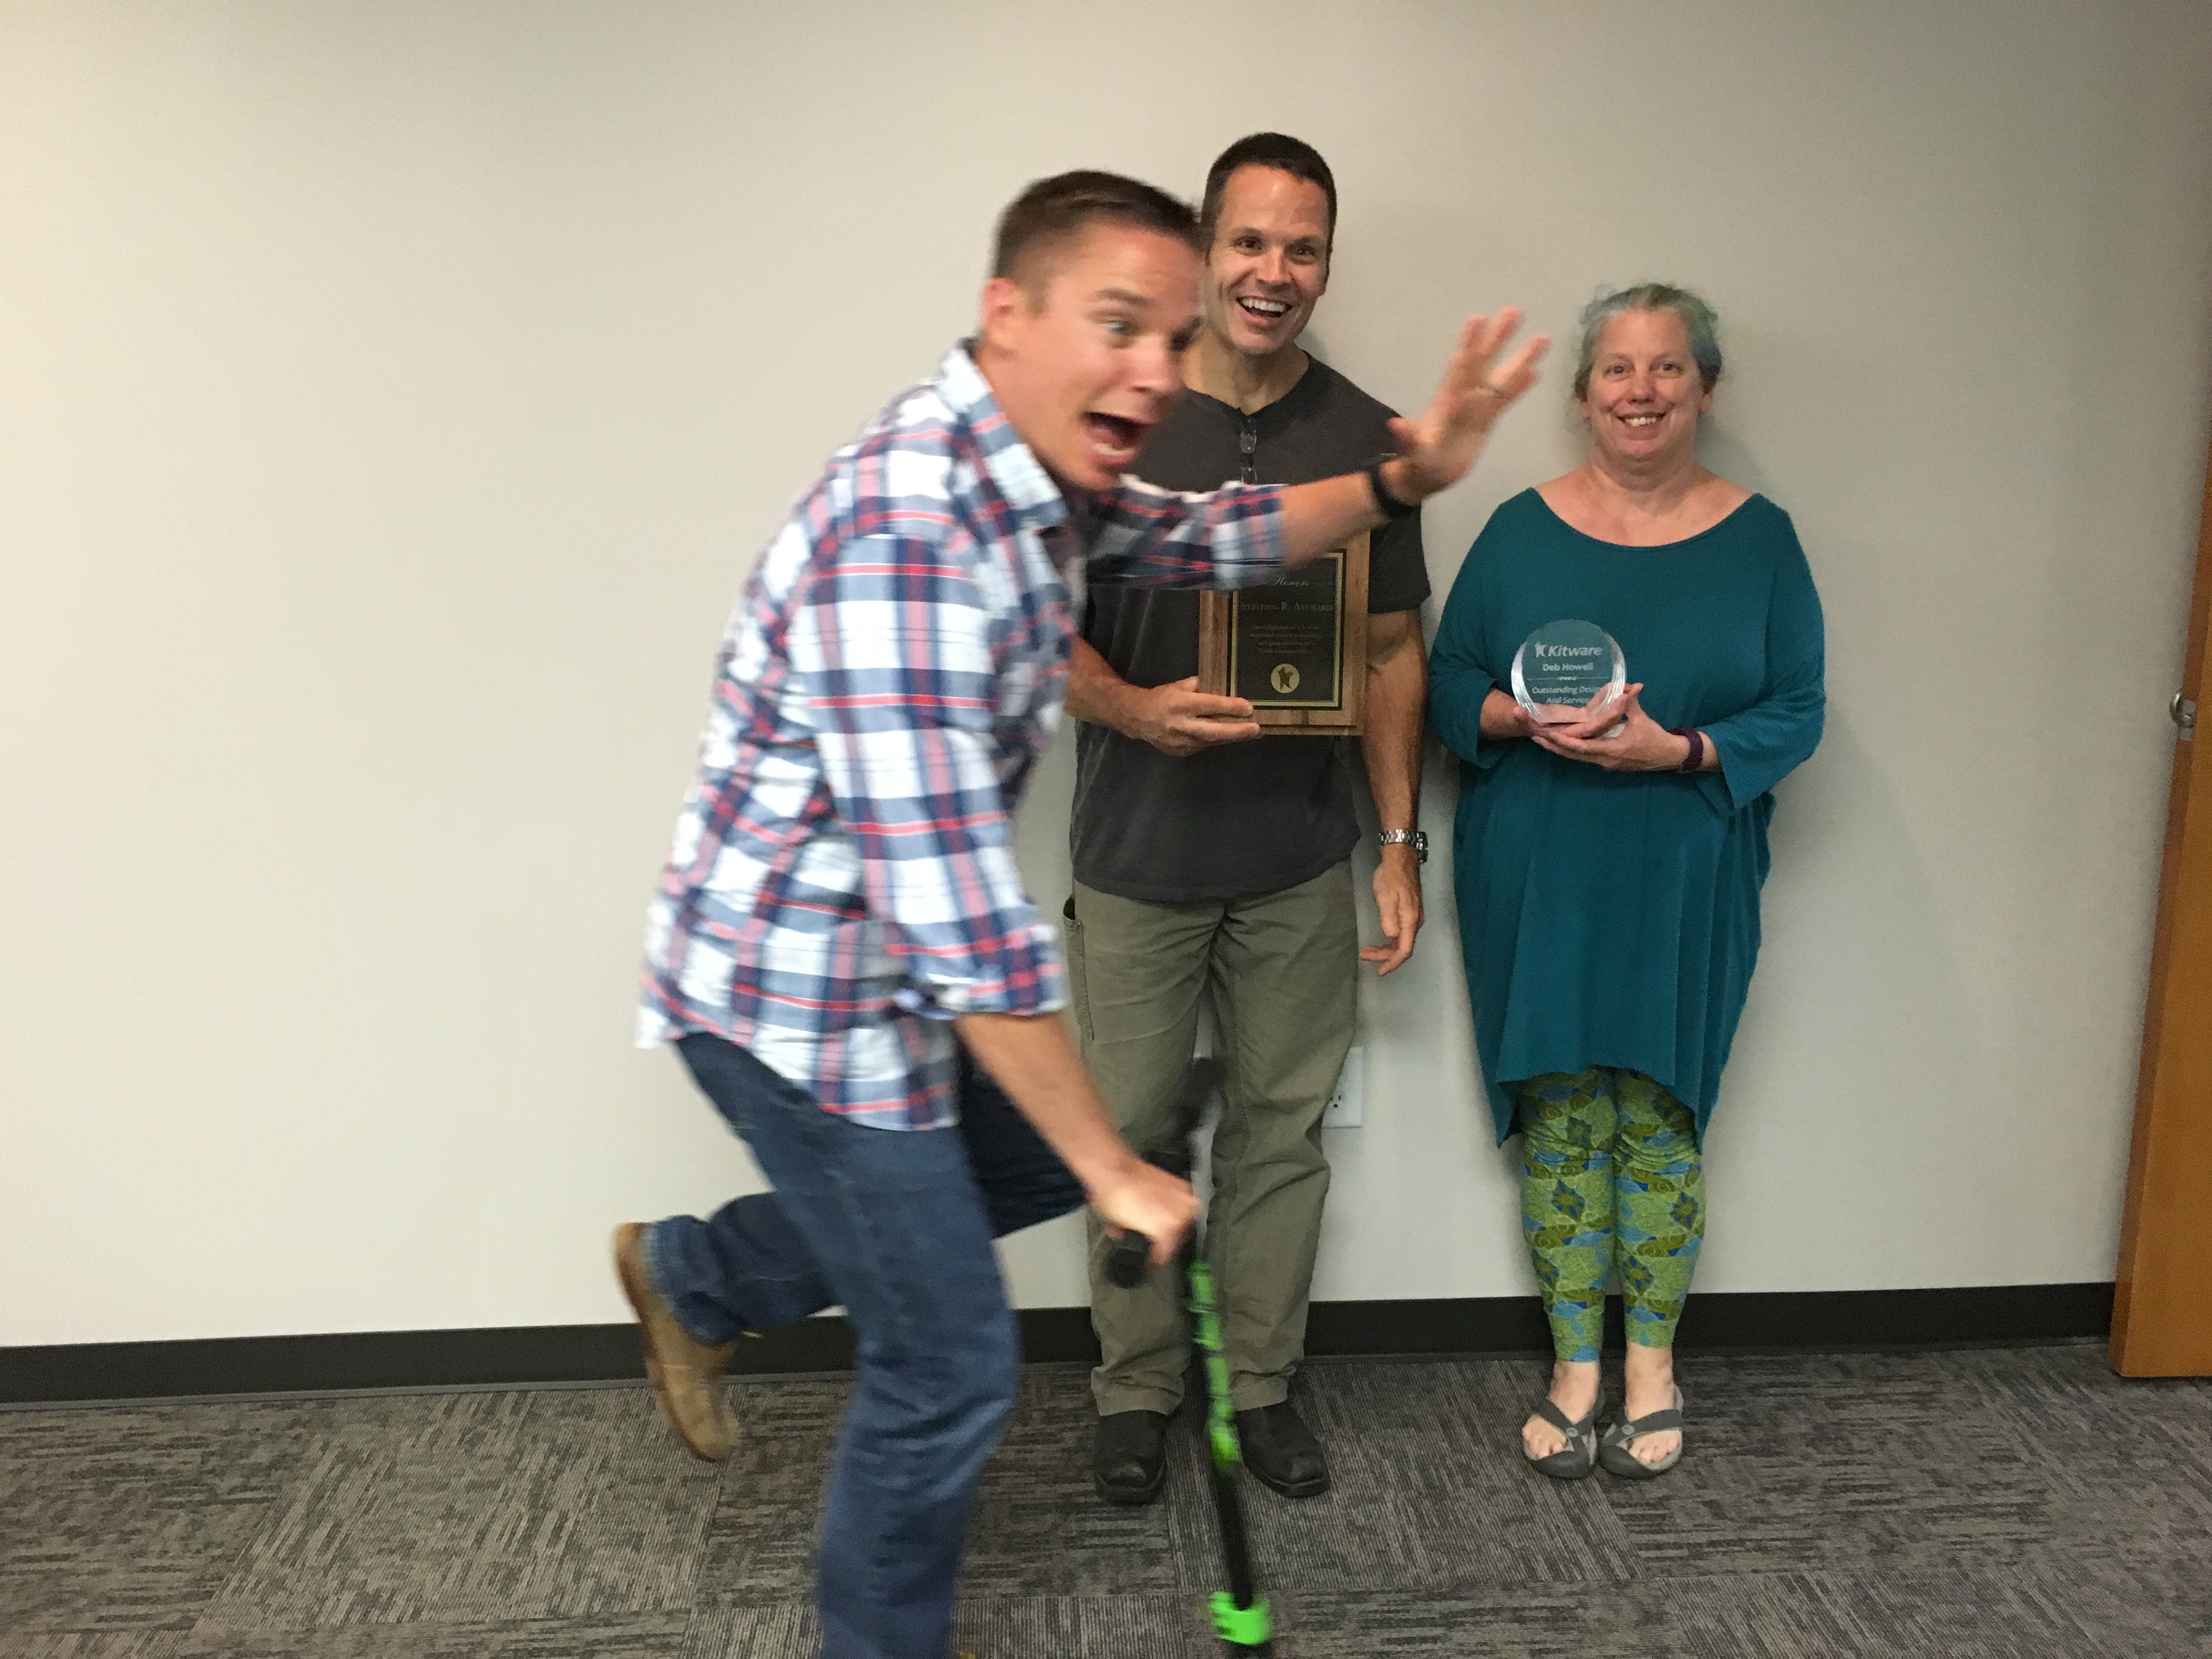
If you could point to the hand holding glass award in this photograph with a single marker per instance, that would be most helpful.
(1568, 670)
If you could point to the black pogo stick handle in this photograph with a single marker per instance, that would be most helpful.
(1132, 1254)
(1127, 1261)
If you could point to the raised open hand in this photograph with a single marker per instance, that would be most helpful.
(1480, 383)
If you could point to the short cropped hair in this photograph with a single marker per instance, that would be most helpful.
(1277, 151)
(1699, 319)
(1053, 212)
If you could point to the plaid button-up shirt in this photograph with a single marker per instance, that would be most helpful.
(842, 883)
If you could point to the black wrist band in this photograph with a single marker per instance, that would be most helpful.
(1389, 505)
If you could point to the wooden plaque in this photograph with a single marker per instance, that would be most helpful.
(1296, 648)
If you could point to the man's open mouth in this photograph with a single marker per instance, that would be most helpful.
(1266, 311)
(1116, 437)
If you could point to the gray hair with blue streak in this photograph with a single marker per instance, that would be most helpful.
(1699, 319)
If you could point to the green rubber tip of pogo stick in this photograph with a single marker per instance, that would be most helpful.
(1226, 1452)
(1247, 1627)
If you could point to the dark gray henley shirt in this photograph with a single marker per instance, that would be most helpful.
(1250, 818)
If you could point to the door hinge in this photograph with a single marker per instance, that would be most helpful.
(2182, 712)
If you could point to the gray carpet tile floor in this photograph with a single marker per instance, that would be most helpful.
(1996, 1504)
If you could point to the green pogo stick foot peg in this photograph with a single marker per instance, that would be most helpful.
(1247, 1627)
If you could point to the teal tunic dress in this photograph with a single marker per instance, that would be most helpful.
(1611, 918)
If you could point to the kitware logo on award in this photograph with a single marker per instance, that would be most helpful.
(1566, 668)
(1285, 679)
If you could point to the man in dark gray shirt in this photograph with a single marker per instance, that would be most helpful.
(1209, 861)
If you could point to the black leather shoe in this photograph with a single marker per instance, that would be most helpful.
(1281, 1450)
(1129, 1460)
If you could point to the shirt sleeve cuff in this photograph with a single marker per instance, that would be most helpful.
(1024, 976)
(1256, 556)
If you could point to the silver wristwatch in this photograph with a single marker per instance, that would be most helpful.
(1416, 839)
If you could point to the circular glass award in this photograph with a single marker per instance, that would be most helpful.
(1565, 668)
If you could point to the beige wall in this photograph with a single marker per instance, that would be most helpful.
(391, 397)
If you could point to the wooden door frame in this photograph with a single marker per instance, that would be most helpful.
(2162, 1294)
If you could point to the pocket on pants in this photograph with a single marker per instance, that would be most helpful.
(1079, 980)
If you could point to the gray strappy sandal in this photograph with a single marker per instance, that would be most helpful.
(1578, 1456)
(1613, 1451)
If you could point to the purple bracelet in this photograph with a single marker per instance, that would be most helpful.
(1697, 757)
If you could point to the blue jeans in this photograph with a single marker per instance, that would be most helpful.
(897, 1226)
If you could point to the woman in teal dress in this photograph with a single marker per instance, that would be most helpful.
(1608, 868)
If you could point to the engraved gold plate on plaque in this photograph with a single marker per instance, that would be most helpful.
(1296, 648)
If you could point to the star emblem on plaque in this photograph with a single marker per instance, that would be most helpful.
(1295, 649)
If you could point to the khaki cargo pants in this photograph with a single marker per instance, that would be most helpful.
(1282, 970)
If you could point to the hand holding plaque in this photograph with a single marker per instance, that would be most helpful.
(1568, 670)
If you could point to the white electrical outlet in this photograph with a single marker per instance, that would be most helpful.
(1347, 1107)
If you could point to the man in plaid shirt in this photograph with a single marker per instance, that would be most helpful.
(840, 947)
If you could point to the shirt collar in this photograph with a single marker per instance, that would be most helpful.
(1269, 417)
(1017, 473)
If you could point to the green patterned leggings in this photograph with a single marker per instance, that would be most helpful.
(1610, 1175)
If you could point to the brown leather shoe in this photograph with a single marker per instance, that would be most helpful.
(687, 1374)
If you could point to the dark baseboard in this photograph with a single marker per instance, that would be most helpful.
(1805, 1321)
